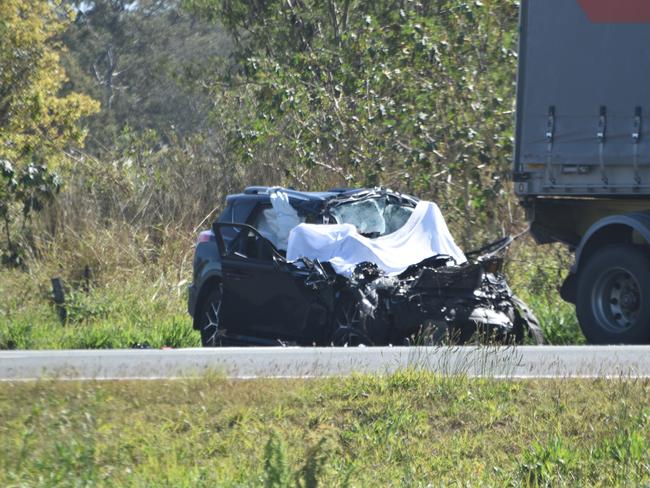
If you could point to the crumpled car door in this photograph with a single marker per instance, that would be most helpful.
(263, 295)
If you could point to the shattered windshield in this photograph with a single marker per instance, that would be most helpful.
(372, 217)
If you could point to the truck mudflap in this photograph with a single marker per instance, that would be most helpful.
(569, 289)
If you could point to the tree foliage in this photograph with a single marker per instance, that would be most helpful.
(201, 97)
(37, 123)
(414, 95)
(141, 60)
(155, 155)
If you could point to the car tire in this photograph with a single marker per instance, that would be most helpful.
(208, 318)
(349, 325)
(613, 299)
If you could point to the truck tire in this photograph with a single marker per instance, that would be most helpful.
(613, 299)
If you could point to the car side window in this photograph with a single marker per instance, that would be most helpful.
(249, 244)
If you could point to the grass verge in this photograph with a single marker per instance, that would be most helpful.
(137, 310)
(407, 429)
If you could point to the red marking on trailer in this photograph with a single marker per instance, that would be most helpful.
(617, 11)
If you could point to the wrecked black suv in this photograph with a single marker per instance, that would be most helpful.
(346, 267)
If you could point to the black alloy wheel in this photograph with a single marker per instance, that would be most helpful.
(348, 324)
(212, 335)
(613, 300)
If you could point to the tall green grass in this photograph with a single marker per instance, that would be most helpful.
(407, 429)
(113, 316)
(136, 295)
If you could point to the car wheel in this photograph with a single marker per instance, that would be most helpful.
(348, 325)
(209, 317)
(526, 324)
(613, 300)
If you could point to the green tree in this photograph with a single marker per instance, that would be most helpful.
(142, 61)
(37, 124)
(410, 94)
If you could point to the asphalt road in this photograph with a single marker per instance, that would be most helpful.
(497, 362)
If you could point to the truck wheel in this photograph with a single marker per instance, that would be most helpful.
(209, 316)
(613, 301)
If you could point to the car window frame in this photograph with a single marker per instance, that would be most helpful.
(224, 251)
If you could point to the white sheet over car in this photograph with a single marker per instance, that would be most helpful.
(425, 234)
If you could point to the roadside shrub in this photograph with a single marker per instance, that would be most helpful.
(276, 467)
(548, 464)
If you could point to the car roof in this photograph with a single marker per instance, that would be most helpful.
(262, 193)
